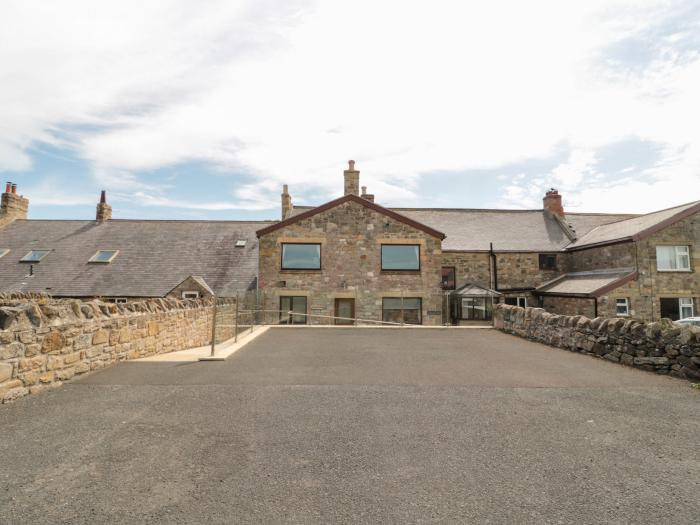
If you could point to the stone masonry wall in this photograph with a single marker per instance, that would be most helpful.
(45, 342)
(351, 236)
(660, 347)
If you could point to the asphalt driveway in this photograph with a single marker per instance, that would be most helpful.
(358, 425)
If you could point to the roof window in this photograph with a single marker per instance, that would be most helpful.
(104, 256)
(240, 243)
(35, 256)
(4, 252)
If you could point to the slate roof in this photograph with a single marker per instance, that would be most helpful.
(591, 283)
(636, 227)
(154, 256)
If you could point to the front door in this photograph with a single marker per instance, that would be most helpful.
(345, 308)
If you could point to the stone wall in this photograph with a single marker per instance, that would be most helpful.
(44, 342)
(660, 347)
(351, 236)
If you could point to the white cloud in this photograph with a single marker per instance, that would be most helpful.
(288, 91)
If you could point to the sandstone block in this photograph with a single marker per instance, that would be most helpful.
(12, 350)
(71, 358)
(15, 393)
(53, 342)
(82, 341)
(65, 374)
(5, 372)
(99, 337)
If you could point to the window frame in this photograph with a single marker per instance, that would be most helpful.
(34, 261)
(320, 257)
(442, 277)
(240, 243)
(94, 260)
(626, 305)
(681, 306)
(547, 257)
(518, 299)
(190, 292)
(119, 300)
(403, 310)
(4, 251)
(381, 258)
(677, 257)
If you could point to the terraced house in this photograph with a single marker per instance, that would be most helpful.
(352, 258)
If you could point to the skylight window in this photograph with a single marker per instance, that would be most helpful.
(104, 256)
(240, 243)
(35, 256)
(4, 252)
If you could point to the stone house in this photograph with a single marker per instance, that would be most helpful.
(353, 258)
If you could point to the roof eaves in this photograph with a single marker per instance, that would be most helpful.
(615, 284)
(351, 198)
(666, 223)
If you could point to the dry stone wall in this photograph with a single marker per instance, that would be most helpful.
(44, 342)
(661, 347)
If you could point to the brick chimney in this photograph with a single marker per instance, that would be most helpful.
(352, 179)
(104, 210)
(552, 203)
(286, 203)
(366, 195)
(12, 206)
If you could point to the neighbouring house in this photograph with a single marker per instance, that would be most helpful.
(353, 258)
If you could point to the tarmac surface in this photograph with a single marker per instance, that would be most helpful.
(355, 425)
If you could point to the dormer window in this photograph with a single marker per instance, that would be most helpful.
(104, 256)
(35, 256)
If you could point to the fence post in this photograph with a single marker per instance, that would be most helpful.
(213, 328)
(402, 315)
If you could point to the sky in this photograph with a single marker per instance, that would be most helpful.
(202, 110)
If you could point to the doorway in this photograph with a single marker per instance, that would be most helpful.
(345, 308)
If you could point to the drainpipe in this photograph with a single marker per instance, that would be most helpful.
(595, 307)
(495, 268)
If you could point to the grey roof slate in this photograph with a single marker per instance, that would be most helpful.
(584, 283)
(628, 228)
(154, 256)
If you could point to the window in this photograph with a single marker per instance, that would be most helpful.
(4, 252)
(476, 308)
(296, 305)
(672, 258)
(401, 257)
(35, 256)
(406, 310)
(686, 307)
(517, 301)
(448, 278)
(677, 308)
(104, 256)
(548, 261)
(622, 307)
(240, 243)
(301, 256)
(118, 300)
(190, 295)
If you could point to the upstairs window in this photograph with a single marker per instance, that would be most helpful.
(35, 256)
(448, 278)
(673, 258)
(301, 256)
(104, 256)
(548, 261)
(622, 307)
(401, 257)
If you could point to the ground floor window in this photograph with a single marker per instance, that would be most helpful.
(622, 307)
(407, 310)
(476, 308)
(677, 308)
(296, 305)
(517, 301)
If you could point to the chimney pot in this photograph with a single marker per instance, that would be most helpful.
(8, 187)
(103, 197)
(14, 188)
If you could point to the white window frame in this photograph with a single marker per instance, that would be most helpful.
(680, 252)
(522, 300)
(4, 252)
(686, 302)
(240, 243)
(625, 303)
(93, 259)
(119, 300)
(190, 294)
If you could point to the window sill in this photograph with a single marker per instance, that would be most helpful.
(302, 270)
(675, 271)
(400, 272)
